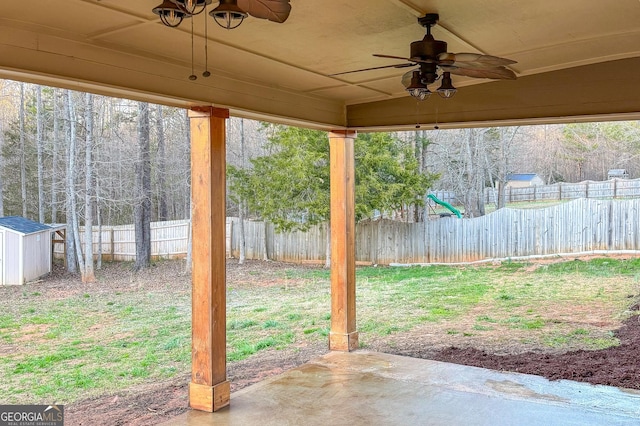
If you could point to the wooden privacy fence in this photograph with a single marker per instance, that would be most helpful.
(168, 240)
(579, 226)
(583, 225)
(614, 188)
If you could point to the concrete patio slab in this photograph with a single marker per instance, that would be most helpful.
(367, 388)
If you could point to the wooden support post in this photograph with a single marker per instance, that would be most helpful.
(209, 389)
(343, 336)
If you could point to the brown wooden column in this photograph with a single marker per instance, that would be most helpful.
(343, 336)
(209, 389)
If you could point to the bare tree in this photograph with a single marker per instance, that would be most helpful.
(70, 235)
(23, 154)
(189, 259)
(505, 154)
(55, 159)
(88, 273)
(40, 149)
(241, 201)
(161, 160)
(142, 210)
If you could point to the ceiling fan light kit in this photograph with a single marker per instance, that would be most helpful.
(446, 89)
(192, 7)
(170, 13)
(228, 14)
(417, 88)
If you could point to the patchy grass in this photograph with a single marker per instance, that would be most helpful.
(66, 346)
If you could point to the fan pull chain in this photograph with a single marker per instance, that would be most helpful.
(206, 72)
(193, 76)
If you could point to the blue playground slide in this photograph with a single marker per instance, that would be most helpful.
(445, 205)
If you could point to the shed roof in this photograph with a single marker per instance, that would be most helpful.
(22, 225)
(521, 176)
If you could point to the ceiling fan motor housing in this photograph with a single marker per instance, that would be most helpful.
(427, 49)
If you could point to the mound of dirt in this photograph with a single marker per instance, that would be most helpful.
(616, 366)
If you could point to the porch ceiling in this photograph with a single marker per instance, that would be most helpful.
(577, 59)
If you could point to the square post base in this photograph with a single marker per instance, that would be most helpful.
(209, 398)
(343, 342)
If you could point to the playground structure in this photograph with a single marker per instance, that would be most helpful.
(445, 205)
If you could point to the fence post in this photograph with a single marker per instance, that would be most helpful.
(586, 189)
(560, 191)
(615, 188)
(112, 245)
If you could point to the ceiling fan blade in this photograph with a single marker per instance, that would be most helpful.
(472, 65)
(373, 68)
(377, 55)
(482, 61)
(272, 10)
(496, 73)
(415, 61)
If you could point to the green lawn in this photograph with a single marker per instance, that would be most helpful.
(62, 346)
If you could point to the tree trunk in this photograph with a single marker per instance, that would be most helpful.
(88, 273)
(419, 147)
(187, 166)
(241, 238)
(1, 171)
(187, 266)
(55, 159)
(142, 210)
(70, 242)
(241, 203)
(23, 153)
(327, 261)
(162, 168)
(39, 148)
(265, 253)
(470, 204)
(99, 214)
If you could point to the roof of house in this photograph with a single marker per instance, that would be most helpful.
(618, 171)
(521, 176)
(22, 225)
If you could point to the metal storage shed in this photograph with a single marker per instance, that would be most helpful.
(25, 250)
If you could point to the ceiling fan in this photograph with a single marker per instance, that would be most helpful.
(434, 63)
(229, 14)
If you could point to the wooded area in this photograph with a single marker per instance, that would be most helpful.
(86, 160)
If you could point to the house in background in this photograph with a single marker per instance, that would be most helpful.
(25, 250)
(521, 180)
(618, 174)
